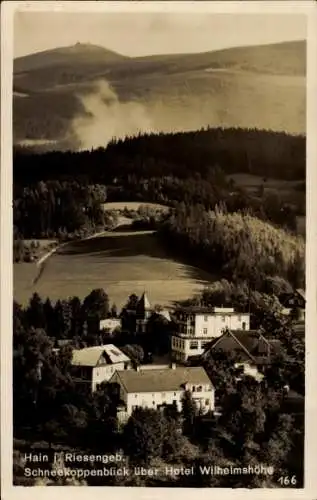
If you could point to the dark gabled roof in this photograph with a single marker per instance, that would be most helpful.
(301, 292)
(248, 344)
(162, 380)
(285, 298)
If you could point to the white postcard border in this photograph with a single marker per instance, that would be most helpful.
(308, 8)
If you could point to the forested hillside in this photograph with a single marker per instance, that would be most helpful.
(191, 167)
(183, 154)
(243, 247)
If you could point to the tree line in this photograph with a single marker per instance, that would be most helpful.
(48, 209)
(242, 247)
(264, 153)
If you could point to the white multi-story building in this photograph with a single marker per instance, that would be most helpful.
(158, 387)
(93, 365)
(197, 326)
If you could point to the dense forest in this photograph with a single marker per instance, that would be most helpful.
(50, 209)
(255, 427)
(243, 247)
(182, 155)
(60, 193)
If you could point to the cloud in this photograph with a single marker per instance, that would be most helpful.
(106, 118)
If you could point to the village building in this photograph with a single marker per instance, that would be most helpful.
(93, 365)
(252, 350)
(197, 326)
(299, 328)
(144, 311)
(294, 304)
(110, 325)
(158, 387)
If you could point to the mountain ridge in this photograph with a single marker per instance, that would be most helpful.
(86, 50)
(60, 55)
(261, 87)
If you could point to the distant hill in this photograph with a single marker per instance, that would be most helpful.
(81, 53)
(287, 58)
(261, 86)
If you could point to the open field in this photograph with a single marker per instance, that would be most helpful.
(132, 205)
(122, 263)
(252, 182)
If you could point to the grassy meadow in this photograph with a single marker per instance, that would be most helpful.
(252, 182)
(132, 205)
(120, 262)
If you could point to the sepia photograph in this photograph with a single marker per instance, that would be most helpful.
(158, 222)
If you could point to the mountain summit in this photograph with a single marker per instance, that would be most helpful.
(80, 53)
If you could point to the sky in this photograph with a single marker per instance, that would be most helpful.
(140, 34)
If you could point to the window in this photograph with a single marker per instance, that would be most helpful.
(205, 331)
(193, 345)
(190, 330)
(223, 319)
(135, 395)
(205, 318)
(163, 395)
(199, 388)
(244, 325)
(204, 345)
(239, 317)
(174, 393)
(194, 388)
(207, 402)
